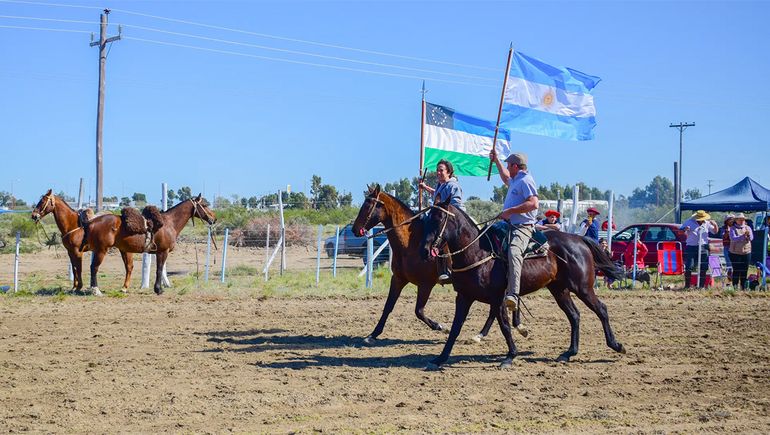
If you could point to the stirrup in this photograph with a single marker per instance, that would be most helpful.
(444, 278)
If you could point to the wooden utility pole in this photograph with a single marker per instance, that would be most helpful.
(682, 126)
(102, 44)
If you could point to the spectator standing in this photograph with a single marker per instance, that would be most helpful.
(697, 229)
(724, 233)
(590, 225)
(551, 221)
(741, 236)
(606, 225)
(628, 255)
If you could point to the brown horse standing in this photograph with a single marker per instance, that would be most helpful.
(71, 232)
(107, 231)
(408, 265)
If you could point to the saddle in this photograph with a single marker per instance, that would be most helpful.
(85, 216)
(148, 222)
(499, 236)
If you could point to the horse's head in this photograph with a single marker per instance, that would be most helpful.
(46, 205)
(372, 211)
(441, 226)
(202, 211)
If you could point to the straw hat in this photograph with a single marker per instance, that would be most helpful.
(701, 215)
(728, 217)
(739, 216)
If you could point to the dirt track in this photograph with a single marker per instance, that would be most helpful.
(208, 363)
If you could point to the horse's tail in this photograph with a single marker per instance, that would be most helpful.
(602, 261)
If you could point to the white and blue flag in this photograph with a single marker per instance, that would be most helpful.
(548, 100)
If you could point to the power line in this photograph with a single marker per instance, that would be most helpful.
(299, 62)
(262, 47)
(262, 35)
(43, 29)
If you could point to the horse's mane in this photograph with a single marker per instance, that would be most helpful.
(484, 242)
(401, 203)
(62, 201)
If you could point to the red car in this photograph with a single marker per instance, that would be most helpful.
(650, 234)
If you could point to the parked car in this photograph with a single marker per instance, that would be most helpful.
(354, 245)
(652, 233)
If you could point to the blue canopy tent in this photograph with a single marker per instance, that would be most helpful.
(746, 195)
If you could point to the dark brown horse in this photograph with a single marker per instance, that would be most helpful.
(568, 267)
(71, 233)
(405, 239)
(107, 231)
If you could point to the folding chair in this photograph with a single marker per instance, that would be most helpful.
(670, 260)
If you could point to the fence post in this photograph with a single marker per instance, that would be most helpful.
(208, 257)
(267, 250)
(16, 263)
(146, 263)
(318, 256)
(610, 221)
(575, 201)
(164, 203)
(283, 234)
(224, 254)
(336, 245)
(369, 258)
(633, 274)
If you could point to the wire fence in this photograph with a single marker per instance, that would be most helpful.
(254, 251)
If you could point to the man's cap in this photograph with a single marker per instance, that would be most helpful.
(517, 158)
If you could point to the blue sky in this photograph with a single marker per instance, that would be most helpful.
(228, 120)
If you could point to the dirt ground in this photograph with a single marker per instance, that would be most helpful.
(206, 363)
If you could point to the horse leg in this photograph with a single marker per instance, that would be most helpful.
(462, 306)
(74, 259)
(505, 328)
(96, 260)
(128, 263)
(161, 257)
(593, 302)
(564, 300)
(423, 293)
(396, 285)
(487, 325)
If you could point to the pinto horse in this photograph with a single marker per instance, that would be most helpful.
(405, 235)
(71, 233)
(107, 231)
(480, 275)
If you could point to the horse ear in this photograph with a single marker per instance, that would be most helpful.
(446, 202)
(377, 188)
(49, 191)
(199, 197)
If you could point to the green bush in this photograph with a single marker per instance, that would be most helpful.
(23, 224)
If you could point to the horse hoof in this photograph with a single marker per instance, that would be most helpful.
(523, 331)
(478, 338)
(96, 291)
(433, 367)
(506, 364)
(159, 291)
(370, 341)
(622, 349)
(443, 328)
(563, 358)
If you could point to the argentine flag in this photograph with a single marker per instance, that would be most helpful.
(463, 140)
(548, 100)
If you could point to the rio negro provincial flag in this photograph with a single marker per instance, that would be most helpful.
(463, 140)
(548, 100)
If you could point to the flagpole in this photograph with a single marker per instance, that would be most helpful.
(500, 110)
(422, 147)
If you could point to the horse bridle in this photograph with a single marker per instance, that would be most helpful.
(444, 221)
(49, 199)
(377, 201)
(197, 208)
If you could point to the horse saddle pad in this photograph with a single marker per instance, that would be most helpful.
(500, 238)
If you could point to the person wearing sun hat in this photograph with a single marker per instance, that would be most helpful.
(551, 221)
(741, 236)
(590, 225)
(697, 229)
